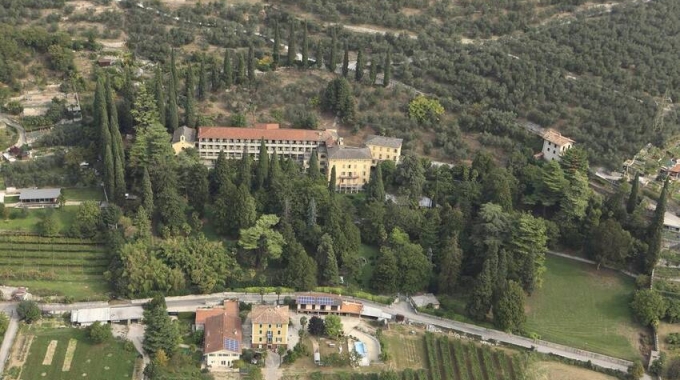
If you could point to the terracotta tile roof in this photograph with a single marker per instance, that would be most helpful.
(556, 138)
(223, 332)
(266, 314)
(675, 168)
(352, 308)
(263, 133)
(230, 307)
(390, 142)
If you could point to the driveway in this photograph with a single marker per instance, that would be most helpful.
(8, 340)
(271, 366)
(135, 334)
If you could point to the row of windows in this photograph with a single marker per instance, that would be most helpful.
(277, 333)
(387, 149)
(251, 141)
(278, 340)
(278, 326)
(349, 174)
(269, 149)
(349, 166)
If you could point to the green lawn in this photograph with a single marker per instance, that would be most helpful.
(103, 361)
(94, 288)
(84, 194)
(20, 221)
(581, 307)
(369, 254)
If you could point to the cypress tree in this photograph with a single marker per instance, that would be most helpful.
(241, 79)
(373, 73)
(634, 195)
(119, 177)
(345, 61)
(359, 73)
(314, 172)
(200, 188)
(215, 80)
(109, 172)
(305, 46)
(227, 71)
(244, 173)
(375, 186)
(333, 60)
(159, 95)
(276, 53)
(190, 99)
(251, 64)
(331, 182)
(147, 192)
(655, 233)
(292, 50)
(319, 54)
(311, 213)
(173, 71)
(128, 92)
(274, 170)
(221, 172)
(386, 272)
(262, 166)
(245, 213)
(387, 68)
(481, 298)
(173, 116)
(449, 265)
(327, 261)
(202, 80)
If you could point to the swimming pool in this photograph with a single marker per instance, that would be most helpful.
(360, 348)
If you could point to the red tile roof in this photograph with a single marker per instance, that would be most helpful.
(219, 329)
(265, 132)
(230, 307)
(556, 138)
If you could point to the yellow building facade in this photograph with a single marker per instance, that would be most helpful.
(352, 167)
(183, 138)
(384, 148)
(269, 326)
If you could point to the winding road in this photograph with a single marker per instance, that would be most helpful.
(22, 132)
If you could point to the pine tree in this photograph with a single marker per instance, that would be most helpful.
(244, 169)
(634, 195)
(359, 73)
(373, 71)
(319, 55)
(276, 53)
(376, 189)
(202, 81)
(387, 68)
(190, 99)
(161, 333)
(147, 192)
(160, 96)
(333, 60)
(655, 233)
(244, 212)
(227, 71)
(262, 166)
(449, 265)
(251, 64)
(241, 79)
(305, 46)
(386, 272)
(292, 50)
(313, 170)
(331, 182)
(109, 172)
(481, 298)
(345, 61)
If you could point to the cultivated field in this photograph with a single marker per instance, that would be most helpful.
(581, 307)
(560, 371)
(54, 266)
(66, 353)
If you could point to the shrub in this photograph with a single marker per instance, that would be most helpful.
(29, 311)
(99, 333)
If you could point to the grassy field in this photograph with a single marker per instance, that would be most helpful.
(559, 371)
(581, 307)
(54, 266)
(84, 194)
(103, 361)
(28, 221)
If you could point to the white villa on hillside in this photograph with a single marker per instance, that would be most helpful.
(554, 145)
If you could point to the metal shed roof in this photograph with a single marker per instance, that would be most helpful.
(27, 194)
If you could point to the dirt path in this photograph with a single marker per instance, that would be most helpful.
(271, 367)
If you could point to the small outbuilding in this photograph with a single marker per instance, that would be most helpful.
(39, 196)
(425, 300)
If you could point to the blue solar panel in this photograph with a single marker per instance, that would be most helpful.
(231, 344)
(308, 300)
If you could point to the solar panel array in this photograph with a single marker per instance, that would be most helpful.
(309, 300)
(231, 344)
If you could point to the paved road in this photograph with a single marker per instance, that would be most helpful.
(22, 132)
(190, 303)
(11, 332)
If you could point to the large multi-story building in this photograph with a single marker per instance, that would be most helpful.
(269, 326)
(352, 167)
(297, 144)
(384, 148)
